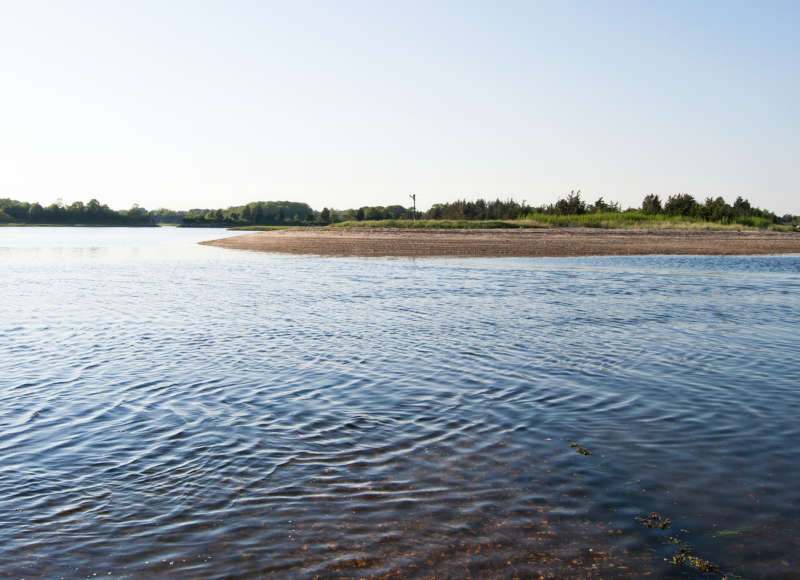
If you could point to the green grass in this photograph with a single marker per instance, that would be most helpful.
(612, 220)
(439, 224)
(637, 219)
(259, 228)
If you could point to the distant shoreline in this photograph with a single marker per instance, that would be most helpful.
(560, 242)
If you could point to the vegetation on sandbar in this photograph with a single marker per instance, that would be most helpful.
(679, 211)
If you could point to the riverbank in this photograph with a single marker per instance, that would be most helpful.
(381, 242)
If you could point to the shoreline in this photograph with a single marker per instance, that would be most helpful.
(495, 243)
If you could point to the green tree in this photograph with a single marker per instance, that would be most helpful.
(571, 205)
(602, 206)
(35, 212)
(373, 213)
(742, 206)
(682, 204)
(716, 210)
(651, 204)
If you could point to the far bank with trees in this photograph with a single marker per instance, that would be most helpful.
(678, 210)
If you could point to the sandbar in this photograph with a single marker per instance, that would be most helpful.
(557, 242)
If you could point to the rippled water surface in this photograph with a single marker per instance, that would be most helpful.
(174, 409)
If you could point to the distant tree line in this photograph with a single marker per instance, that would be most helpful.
(268, 213)
(713, 209)
(478, 210)
(289, 213)
(90, 213)
(167, 216)
(682, 204)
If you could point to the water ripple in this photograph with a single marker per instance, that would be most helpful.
(167, 408)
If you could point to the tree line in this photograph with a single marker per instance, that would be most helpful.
(682, 204)
(90, 213)
(289, 213)
(269, 213)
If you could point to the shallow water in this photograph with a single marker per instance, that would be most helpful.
(169, 408)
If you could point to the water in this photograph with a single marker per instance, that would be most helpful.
(174, 409)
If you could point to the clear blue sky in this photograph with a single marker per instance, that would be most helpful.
(207, 104)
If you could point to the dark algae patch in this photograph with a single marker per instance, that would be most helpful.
(654, 521)
(579, 449)
(684, 556)
(684, 553)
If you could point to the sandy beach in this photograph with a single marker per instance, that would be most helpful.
(376, 242)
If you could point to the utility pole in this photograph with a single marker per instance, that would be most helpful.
(413, 196)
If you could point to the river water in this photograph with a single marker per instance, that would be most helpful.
(169, 409)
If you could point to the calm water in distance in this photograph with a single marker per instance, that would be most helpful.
(174, 409)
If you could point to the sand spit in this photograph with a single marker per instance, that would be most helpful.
(512, 242)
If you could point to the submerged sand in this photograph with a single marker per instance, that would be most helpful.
(375, 242)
